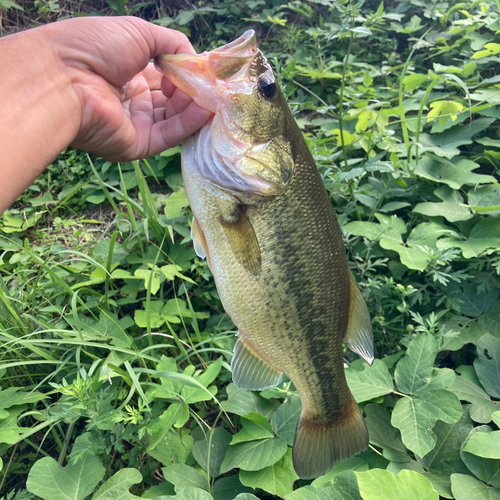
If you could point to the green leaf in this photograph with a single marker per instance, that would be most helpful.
(343, 486)
(192, 394)
(452, 212)
(117, 486)
(443, 109)
(370, 382)
(446, 144)
(469, 488)
(184, 476)
(172, 415)
(487, 364)
(383, 434)
(415, 417)
(484, 444)
(243, 402)
(227, 488)
(414, 369)
(151, 279)
(445, 458)
(411, 82)
(210, 451)
(276, 479)
(454, 173)
(10, 397)
(254, 426)
(482, 236)
(353, 464)
(189, 493)
(485, 199)
(284, 421)
(245, 496)
(482, 407)
(378, 484)
(254, 455)
(48, 480)
(412, 258)
(490, 49)
(468, 330)
(10, 432)
(174, 447)
(175, 204)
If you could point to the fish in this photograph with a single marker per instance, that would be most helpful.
(265, 223)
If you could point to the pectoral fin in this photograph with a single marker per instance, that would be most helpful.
(250, 371)
(243, 241)
(199, 241)
(359, 336)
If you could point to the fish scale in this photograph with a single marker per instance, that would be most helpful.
(275, 248)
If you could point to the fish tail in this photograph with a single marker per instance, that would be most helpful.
(318, 445)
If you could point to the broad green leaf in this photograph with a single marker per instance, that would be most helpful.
(210, 451)
(469, 488)
(284, 421)
(490, 321)
(482, 407)
(446, 144)
(193, 394)
(411, 82)
(440, 378)
(378, 484)
(276, 479)
(254, 426)
(151, 279)
(174, 447)
(414, 369)
(172, 415)
(343, 486)
(370, 382)
(10, 432)
(243, 402)
(441, 110)
(10, 397)
(490, 49)
(452, 212)
(48, 480)
(484, 444)
(487, 364)
(461, 331)
(455, 173)
(117, 486)
(412, 258)
(184, 476)
(153, 315)
(227, 488)
(383, 434)
(445, 458)
(415, 417)
(246, 496)
(353, 464)
(485, 199)
(483, 235)
(176, 202)
(189, 493)
(397, 467)
(471, 301)
(486, 469)
(254, 455)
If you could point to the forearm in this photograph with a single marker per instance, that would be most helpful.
(39, 111)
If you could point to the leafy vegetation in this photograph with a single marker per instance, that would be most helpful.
(115, 350)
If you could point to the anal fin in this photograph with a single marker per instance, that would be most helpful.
(359, 336)
(243, 241)
(250, 371)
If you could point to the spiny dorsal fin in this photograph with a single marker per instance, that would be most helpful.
(243, 241)
(250, 371)
(359, 336)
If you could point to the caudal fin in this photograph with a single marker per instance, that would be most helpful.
(317, 447)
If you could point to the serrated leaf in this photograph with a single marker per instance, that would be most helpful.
(254, 455)
(48, 480)
(369, 382)
(254, 426)
(413, 371)
(415, 417)
(487, 364)
(284, 421)
(243, 402)
(210, 451)
(276, 479)
(184, 476)
(469, 488)
(377, 484)
(343, 486)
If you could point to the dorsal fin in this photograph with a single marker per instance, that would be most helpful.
(359, 336)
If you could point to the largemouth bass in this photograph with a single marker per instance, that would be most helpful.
(265, 223)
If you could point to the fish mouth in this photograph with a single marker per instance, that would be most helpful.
(197, 75)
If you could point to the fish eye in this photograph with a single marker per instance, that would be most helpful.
(267, 87)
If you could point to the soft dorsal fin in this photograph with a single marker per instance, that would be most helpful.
(243, 242)
(250, 371)
(359, 336)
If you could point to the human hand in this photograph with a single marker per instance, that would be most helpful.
(124, 113)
